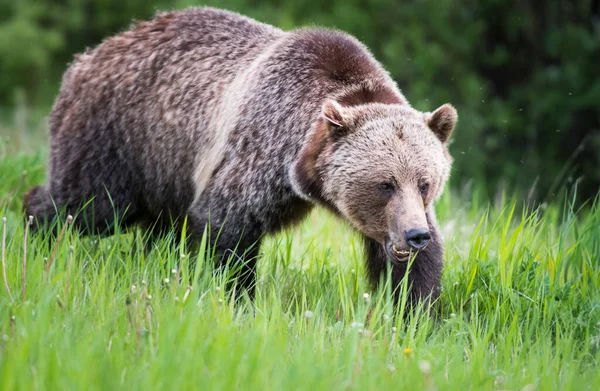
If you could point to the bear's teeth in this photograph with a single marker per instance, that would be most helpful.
(399, 252)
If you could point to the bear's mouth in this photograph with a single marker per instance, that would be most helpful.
(395, 253)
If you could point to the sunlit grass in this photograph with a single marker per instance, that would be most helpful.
(520, 307)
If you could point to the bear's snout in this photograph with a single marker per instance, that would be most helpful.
(418, 238)
(415, 239)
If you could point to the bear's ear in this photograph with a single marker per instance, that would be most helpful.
(335, 115)
(442, 121)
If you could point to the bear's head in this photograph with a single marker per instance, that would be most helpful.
(380, 166)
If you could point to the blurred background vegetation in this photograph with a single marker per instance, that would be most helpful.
(524, 75)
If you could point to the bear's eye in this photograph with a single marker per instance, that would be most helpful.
(386, 187)
(424, 189)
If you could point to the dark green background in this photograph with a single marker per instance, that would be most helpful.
(524, 75)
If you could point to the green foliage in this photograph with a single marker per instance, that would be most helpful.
(27, 48)
(523, 75)
(520, 308)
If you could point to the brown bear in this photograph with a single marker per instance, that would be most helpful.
(210, 115)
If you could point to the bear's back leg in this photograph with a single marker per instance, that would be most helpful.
(38, 204)
(88, 180)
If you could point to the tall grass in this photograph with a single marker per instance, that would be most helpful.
(520, 307)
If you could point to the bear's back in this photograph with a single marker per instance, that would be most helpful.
(197, 49)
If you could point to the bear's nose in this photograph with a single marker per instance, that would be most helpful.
(418, 238)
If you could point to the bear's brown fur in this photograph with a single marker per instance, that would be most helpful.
(211, 115)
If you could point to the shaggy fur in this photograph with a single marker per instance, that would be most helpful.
(211, 115)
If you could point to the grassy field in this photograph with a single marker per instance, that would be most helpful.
(520, 307)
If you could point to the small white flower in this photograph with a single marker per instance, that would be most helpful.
(308, 314)
(366, 296)
(149, 297)
(174, 271)
(386, 317)
(425, 367)
(167, 280)
(133, 288)
(453, 315)
(394, 330)
(356, 325)
(218, 289)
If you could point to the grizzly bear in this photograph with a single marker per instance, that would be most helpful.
(210, 116)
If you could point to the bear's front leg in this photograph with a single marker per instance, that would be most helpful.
(241, 264)
(424, 274)
(236, 247)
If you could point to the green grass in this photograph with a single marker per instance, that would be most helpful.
(520, 308)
